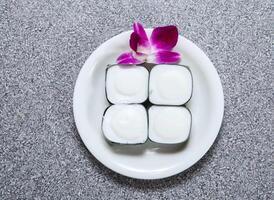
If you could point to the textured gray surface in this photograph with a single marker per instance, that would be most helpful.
(43, 45)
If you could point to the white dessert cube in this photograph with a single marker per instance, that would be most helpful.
(125, 124)
(127, 84)
(170, 85)
(169, 124)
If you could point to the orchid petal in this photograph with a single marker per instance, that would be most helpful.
(140, 31)
(164, 38)
(164, 57)
(127, 59)
(133, 41)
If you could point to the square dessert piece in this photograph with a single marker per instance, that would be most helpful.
(127, 84)
(125, 124)
(170, 85)
(169, 124)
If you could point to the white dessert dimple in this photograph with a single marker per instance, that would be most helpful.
(125, 89)
(170, 85)
(168, 126)
(127, 85)
(127, 123)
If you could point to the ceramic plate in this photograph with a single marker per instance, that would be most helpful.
(149, 160)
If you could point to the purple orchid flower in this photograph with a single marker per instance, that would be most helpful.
(156, 49)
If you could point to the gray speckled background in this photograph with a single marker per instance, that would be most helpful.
(43, 45)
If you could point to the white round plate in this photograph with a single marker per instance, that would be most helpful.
(150, 160)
